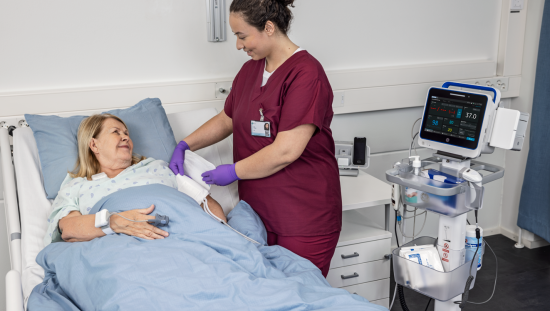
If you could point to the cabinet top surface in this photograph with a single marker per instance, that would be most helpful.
(363, 191)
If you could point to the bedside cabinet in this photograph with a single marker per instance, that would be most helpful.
(359, 264)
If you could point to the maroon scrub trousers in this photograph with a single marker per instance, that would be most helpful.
(303, 200)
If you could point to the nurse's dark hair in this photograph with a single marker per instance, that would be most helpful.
(258, 12)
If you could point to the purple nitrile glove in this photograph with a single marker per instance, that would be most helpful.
(176, 162)
(223, 175)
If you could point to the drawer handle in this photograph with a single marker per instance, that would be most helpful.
(355, 254)
(345, 277)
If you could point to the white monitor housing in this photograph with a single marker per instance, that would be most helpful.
(465, 123)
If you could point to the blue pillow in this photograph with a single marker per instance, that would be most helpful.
(57, 143)
(245, 220)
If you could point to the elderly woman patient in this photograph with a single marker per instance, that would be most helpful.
(104, 146)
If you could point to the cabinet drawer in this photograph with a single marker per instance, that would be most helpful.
(360, 273)
(385, 302)
(360, 253)
(371, 290)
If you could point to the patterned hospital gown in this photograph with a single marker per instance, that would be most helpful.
(80, 194)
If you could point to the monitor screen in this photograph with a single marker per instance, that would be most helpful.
(453, 117)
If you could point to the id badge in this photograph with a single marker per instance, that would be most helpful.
(261, 128)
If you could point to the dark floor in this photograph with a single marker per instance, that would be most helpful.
(523, 280)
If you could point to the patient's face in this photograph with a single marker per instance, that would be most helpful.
(113, 146)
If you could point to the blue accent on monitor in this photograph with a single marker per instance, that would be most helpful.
(474, 87)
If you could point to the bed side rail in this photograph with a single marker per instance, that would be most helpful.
(14, 293)
(11, 207)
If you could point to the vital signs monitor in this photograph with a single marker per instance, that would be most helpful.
(456, 122)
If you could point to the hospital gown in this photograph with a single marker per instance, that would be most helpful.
(80, 194)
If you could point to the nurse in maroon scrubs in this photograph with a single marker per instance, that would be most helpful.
(279, 112)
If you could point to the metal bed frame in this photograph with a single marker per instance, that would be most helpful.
(14, 292)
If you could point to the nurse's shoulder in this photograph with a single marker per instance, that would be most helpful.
(305, 64)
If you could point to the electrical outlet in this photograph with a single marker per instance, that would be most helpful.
(339, 99)
(222, 89)
(344, 152)
(516, 5)
(9, 121)
(500, 83)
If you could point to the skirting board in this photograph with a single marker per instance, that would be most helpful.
(528, 243)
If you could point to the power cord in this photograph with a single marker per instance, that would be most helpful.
(396, 241)
(414, 234)
(428, 304)
(496, 269)
(413, 136)
(411, 146)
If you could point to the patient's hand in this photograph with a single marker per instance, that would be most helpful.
(215, 208)
(140, 229)
(76, 227)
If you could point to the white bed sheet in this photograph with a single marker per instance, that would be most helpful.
(35, 208)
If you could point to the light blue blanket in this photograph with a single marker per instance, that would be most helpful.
(202, 265)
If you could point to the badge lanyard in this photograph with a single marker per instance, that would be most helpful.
(260, 128)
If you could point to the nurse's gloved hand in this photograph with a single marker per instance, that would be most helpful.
(223, 175)
(176, 162)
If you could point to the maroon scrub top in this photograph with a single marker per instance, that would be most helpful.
(304, 198)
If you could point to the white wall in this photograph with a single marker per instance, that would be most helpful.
(516, 161)
(65, 44)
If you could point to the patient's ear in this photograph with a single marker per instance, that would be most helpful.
(93, 146)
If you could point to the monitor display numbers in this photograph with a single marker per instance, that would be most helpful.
(454, 118)
(451, 122)
(446, 110)
(435, 123)
(450, 130)
(471, 114)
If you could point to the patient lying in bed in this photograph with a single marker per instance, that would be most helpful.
(105, 148)
(202, 265)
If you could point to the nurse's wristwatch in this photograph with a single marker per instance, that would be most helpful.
(102, 221)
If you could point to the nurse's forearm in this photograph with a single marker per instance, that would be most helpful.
(287, 148)
(211, 132)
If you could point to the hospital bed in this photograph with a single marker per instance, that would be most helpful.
(27, 207)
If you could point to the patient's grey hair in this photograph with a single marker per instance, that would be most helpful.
(87, 164)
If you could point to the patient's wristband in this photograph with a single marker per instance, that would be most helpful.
(107, 229)
(102, 221)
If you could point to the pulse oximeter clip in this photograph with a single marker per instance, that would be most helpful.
(159, 221)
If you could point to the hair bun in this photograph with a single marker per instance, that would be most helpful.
(258, 12)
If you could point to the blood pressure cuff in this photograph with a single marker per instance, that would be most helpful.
(194, 165)
(191, 188)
